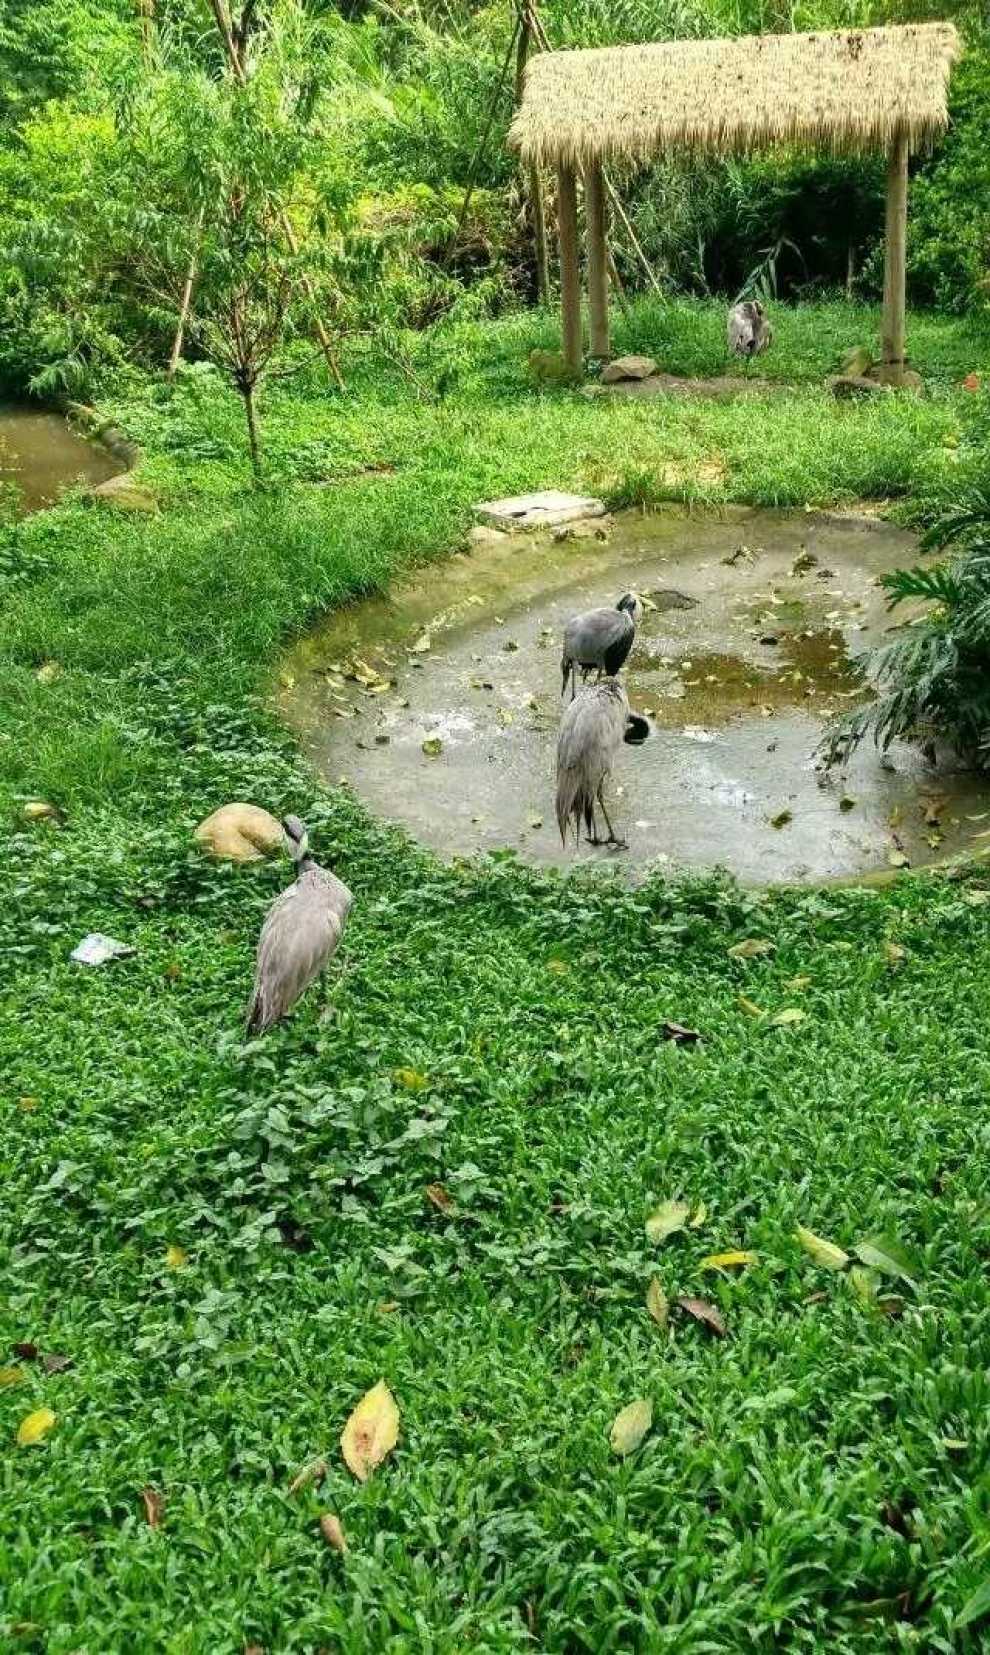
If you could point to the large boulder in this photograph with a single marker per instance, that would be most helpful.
(125, 494)
(241, 833)
(628, 367)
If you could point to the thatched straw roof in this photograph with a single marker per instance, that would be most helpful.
(847, 90)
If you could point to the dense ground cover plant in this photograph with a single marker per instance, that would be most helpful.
(232, 1242)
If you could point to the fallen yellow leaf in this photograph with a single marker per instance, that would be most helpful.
(751, 949)
(796, 985)
(411, 1080)
(750, 1007)
(333, 1532)
(175, 1257)
(825, 1253)
(727, 1261)
(630, 1426)
(371, 1432)
(790, 1014)
(35, 1427)
(10, 1376)
(657, 1303)
(698, 1216)
(671, 1216)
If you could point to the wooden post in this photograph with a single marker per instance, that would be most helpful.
(892, 367)
(570, 275)
(595, 219)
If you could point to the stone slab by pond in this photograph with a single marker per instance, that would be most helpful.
(545, 509)
(738, 664)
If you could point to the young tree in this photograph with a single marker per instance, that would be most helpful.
(239, 202)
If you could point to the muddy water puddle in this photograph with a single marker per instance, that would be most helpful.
(440, 701)
(40, 455)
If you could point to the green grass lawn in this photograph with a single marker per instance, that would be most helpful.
(817, 1479)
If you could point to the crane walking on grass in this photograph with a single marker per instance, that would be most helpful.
(299, 936)
(749, 332)
(594, 725)
(599, 641)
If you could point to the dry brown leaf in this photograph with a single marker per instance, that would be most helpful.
(54, 1362)
(333, 1532)
(782, 818)
(894, 953)
(630, 1426)
(25, 1349)
(371, 1432)
(657, 1303)
(441, 1199)
(154, 1505)
(313, 1471)
(680, 1035)
(704, 1313)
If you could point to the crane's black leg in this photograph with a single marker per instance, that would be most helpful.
(590, 832)
(617, 844)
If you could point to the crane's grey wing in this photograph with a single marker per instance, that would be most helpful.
(300, 935)
(588, 639)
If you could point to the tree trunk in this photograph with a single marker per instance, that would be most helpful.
(570, 275)
(251, 417)
(187, 292)
(596, 224)
(237, 68)
(894, 277)
(533, 179)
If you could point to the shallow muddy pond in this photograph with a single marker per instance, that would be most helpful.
(40, 455)
(743, 656)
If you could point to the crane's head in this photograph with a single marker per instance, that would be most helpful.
(629, 603)
(636, 731)
(296, 837)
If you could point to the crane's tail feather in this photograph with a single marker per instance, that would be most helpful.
(573, 802)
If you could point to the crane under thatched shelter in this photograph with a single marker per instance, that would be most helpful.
(844, 91)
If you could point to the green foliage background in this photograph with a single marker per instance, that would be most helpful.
(402, 99)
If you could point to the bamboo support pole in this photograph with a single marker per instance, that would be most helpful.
(596, 229)
(894, 273)
(570, 274)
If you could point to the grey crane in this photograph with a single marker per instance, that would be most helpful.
(749, 333)
(300, 934)
(599, 641)
(591, 730)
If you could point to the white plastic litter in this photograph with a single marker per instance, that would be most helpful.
(96, 949)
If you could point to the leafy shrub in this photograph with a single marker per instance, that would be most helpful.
(933, 679)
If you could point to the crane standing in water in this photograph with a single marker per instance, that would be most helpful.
(299, 936)
(594, 725)
(599, 641)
